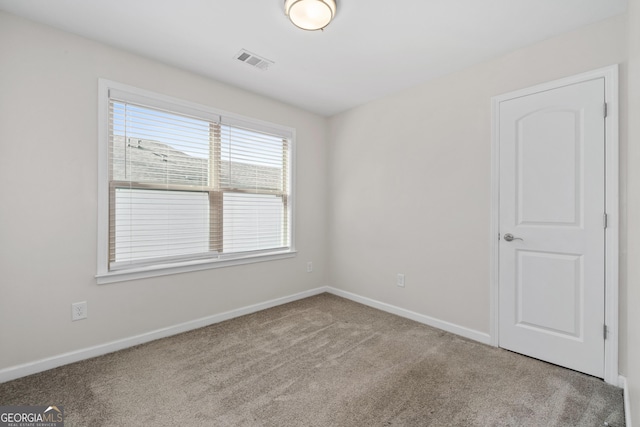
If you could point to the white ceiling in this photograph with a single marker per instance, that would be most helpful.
(372, 48)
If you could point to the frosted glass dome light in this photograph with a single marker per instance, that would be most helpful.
(310, 14)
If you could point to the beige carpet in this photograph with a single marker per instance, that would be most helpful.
(321, 361)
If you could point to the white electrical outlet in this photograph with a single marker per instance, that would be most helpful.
(78, 310)
(309, 267)
(400, 280)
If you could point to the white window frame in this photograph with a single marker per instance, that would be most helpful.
(133, 94)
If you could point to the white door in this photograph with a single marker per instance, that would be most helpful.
(552, 201)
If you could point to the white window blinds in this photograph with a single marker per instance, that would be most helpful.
(186, 185)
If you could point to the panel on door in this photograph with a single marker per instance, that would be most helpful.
(552, 202)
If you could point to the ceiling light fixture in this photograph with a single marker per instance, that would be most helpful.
(310, 15)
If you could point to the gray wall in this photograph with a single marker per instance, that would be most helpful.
(410, 180)
(632, 247)
(48, 163)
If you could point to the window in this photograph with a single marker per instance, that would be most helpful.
(184, 187)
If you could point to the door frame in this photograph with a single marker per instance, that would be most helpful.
(610, 75)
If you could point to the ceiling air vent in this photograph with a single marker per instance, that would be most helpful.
(253, 60)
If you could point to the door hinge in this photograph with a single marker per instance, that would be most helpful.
(605, 110)
(605, 220)
(604, 331)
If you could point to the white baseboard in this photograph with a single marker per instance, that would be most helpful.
(421, 318)
(627, 400)
(30, 368)
(23, 370)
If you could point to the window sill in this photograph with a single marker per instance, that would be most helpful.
(185, 267)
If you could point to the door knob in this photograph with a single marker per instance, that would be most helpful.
(510, 237)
